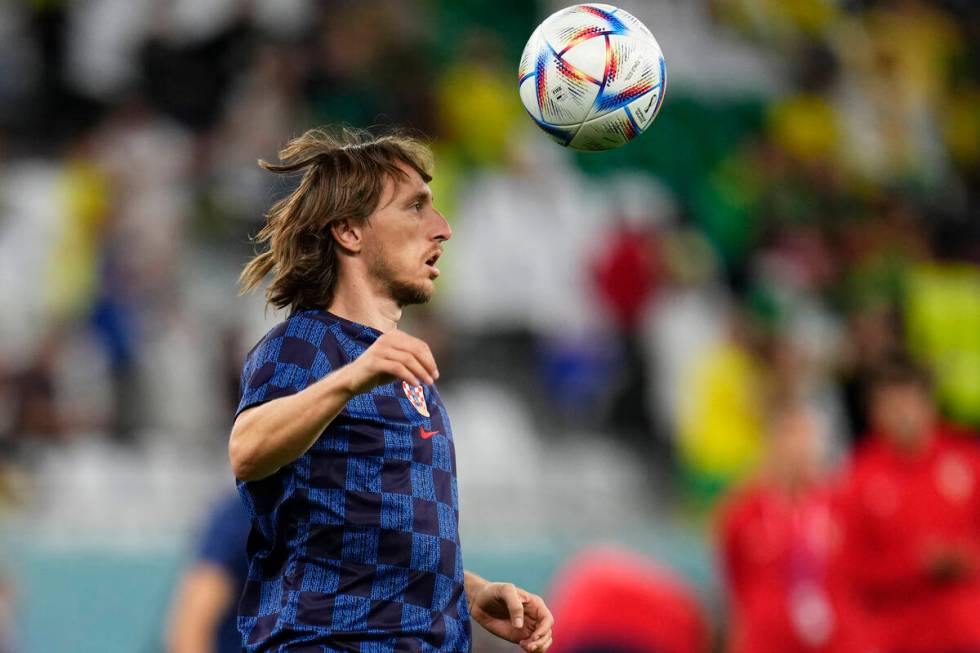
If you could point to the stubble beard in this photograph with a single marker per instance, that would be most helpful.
(403, 293)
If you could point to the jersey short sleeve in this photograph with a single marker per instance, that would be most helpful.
(290, 357)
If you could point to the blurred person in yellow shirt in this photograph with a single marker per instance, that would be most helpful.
(721, 421)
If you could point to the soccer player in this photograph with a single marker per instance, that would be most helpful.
(913, 507)
(341, 445)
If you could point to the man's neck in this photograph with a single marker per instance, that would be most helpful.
(791, 482)
(912, 447)
(357, 300)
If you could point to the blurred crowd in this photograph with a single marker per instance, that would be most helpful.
(720, 295)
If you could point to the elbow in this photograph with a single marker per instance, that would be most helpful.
(243, 459)
(240, 466)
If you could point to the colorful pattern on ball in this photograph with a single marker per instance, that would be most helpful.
(592, 77)
(609, 16)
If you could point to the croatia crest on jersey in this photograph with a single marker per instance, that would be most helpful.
(416, 395)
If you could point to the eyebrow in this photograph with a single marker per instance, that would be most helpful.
(418, 196)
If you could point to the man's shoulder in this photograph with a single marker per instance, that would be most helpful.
(740, 503)
(311, 328)
(872, 451)
(954, 436)
(869, 460)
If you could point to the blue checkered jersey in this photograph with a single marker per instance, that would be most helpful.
(354, 546)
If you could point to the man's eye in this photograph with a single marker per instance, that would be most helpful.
(416, 205)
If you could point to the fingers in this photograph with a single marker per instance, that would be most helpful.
(399, 371)
(536, 608)
(394, 355)
(539, 645)
(515, 607)
(413, 365)
(413, 353)
(420, 352)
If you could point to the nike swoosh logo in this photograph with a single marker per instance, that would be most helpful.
(426, 434)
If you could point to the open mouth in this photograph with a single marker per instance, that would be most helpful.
(431, 263)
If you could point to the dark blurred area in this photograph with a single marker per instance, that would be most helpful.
(629, 339)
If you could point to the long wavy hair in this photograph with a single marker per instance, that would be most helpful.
(344, 171)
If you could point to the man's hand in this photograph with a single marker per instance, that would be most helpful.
(513, 614)
(394, 355)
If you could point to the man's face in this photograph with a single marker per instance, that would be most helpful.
(797, 445)
(403, 239)
(902, 413)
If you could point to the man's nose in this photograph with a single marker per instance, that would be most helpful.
(444, 231)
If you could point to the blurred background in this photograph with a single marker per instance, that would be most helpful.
(610, 327)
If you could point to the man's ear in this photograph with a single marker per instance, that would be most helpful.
(349, 236)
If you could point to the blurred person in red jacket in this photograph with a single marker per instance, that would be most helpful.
(913, 515)
(781, 539)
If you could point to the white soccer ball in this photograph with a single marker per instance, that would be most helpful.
(592, 77)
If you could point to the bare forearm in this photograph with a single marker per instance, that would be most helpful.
(192, 637)
(275, 434)
(204, 594)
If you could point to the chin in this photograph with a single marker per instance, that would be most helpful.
(406, 294)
